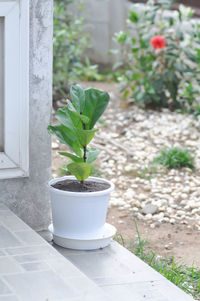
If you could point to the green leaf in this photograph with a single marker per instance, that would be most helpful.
(126, 94)
(78, 119)
(78, 97)
(70, 105)
(121, 37)
(85, 136)
(92, 154)
(72, 157)
(68, 118)
(71, 119)
(80, 170)
(133, 40)
(133, 17)
(135, 49)
(84, 119)
(66, 136)
(96, 102)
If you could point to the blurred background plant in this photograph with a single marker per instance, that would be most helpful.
(175, 157)
(70, 42)
(160, 57)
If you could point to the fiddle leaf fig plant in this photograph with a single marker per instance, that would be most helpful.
(76, 128)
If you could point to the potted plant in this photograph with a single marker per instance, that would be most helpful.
(79, 202)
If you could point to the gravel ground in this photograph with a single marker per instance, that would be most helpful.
(129, 139)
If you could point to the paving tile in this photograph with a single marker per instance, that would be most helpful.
(9, 298)
(64, 268)
(118, 279)
(143, 291)
(2, 253)
(9, 266)
(40, 286)
(4, 288)
(110, 270)
(42, 248)
(3, 207)
(35, 266)
(171, 290)
(11, 221)
(93, 297)
(7, 239)
(29, 237)
(104, 265)
(35, 257)
(76, 278)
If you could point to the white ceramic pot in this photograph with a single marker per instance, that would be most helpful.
(79, 215)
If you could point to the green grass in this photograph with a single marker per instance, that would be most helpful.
(187, 278)
(175, 158)
(144, 173)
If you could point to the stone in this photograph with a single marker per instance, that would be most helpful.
(168, 247)
(128, 168)
(148, 216)
(149, 209)
(54, 145)
(141, 197)
(139, 216)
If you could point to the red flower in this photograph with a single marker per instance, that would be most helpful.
(158, 42)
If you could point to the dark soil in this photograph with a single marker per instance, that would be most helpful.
(76, 186)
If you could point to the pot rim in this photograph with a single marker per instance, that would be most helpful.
(82, 194)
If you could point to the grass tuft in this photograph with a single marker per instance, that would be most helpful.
(175, 158)
(186, 278)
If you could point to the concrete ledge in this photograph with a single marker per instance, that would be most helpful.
(122, 275)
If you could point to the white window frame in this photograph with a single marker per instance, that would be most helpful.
(14, 161)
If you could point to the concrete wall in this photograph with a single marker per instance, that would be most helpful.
(28, 197)
(105, 17)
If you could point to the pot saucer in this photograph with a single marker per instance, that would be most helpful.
(101, 240)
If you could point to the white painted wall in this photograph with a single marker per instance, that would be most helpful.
(1, 84)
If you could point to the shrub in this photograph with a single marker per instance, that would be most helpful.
(160, 56)
(70, 42)
(175, 158)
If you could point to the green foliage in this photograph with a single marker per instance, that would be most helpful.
(167, 75)
(94, 170)
(80, 170)
(185, 277)
(144, 173)
(70, 43)
(175, 158)
(76, 128)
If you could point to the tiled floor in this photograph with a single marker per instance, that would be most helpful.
(32, 270)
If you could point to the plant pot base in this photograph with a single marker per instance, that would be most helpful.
(79, 243)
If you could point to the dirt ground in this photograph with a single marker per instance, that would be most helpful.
(178, 240)
(165, 240)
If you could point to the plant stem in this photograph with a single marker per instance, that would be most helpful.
(84, 153)
(84, 148)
